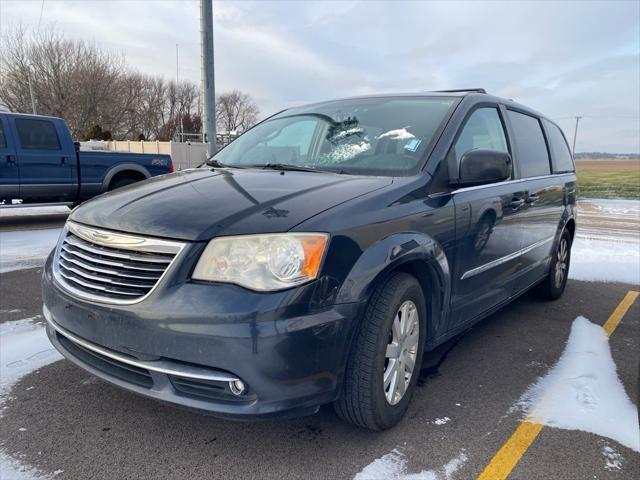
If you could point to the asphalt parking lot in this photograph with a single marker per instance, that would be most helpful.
(64, 423)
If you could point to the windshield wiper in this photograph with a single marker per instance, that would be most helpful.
(212, 162)
(285, 167)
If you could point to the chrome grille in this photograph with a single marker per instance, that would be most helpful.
(111, 267)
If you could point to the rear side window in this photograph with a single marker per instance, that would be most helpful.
(482, 130)
(3, 142)
(561, 158)
(37, 134)
(531, 149)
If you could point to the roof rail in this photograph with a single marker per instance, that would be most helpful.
(461, 90)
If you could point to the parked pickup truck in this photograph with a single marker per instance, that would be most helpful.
(40, 163)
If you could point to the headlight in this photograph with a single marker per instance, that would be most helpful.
(263, 262)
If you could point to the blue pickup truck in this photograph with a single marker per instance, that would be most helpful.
(40, 163)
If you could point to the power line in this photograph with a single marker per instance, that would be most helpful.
(40, 19)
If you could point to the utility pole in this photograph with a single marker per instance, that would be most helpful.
(575, 135)
(207, 87)
(177, 87)
(33, 100)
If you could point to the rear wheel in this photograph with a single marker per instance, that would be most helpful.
(121, 183)
(552, 287)
(385, 360)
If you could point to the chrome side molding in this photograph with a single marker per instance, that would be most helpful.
(499, 261)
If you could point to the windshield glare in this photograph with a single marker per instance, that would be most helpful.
(378, 136)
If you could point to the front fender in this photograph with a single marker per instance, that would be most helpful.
(391, 253)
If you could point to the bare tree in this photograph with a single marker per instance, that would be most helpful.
(236, 111)
(93, 90)
(71, 79)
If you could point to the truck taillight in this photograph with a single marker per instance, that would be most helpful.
(170, 166)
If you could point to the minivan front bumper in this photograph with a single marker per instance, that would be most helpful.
(188, 343)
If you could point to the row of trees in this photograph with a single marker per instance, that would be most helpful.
(99, 96)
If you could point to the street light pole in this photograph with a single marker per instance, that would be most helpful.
(177, 87)
(33, 100)
(207, 87)
(575, 135)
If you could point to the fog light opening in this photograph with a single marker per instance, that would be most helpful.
(237, 387)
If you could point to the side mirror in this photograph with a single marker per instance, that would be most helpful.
(482, 166)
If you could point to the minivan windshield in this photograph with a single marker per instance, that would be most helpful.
(373, 136)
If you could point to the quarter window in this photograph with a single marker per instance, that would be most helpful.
(482, 130)
(37, 134)
(531, 149)
(561, 157)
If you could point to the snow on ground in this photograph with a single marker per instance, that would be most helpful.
(24, 348)
(31, 211)
(612, 459)
(26, 248)
(583, 391)
(605, 260)
(607, 243)
(393, 466)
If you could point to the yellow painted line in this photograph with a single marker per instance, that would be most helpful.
(505, 460)
(616, 317)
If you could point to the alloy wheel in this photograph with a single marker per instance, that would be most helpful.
(561, 262)
(401, 352)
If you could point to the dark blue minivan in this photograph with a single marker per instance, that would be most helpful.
(318, 256)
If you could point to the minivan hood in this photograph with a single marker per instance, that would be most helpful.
(199, 204)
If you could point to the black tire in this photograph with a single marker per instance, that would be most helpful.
(121, 183)
(363, 401)
(550, 288)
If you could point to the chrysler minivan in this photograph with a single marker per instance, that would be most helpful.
(317, 257)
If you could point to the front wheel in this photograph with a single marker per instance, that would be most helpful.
(552, 287)
(385, 360)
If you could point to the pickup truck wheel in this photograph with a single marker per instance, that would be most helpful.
(385, 359)
(552, 287)
(121, 183)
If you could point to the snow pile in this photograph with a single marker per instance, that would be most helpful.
(26, 249)
(393, 466)
(583, 391)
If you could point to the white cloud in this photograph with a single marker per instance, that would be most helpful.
(558, 59)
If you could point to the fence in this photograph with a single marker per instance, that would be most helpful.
(183, 155)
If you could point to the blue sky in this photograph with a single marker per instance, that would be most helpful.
(563, 58)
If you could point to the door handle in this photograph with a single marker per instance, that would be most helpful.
(516, 203)
(7, 159)
(63, 161)
(532, 198)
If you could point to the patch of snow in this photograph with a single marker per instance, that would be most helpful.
(31, 211)
(441, 421)
(12, 469)
(393, 466)
(398, 134)
(24, 347)
(26, 249)
(605, 260)
(345, 152)
(612, 459)
(347, 133)
(609, 206)
(583, 391)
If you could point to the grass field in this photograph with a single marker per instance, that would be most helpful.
(608, 178)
